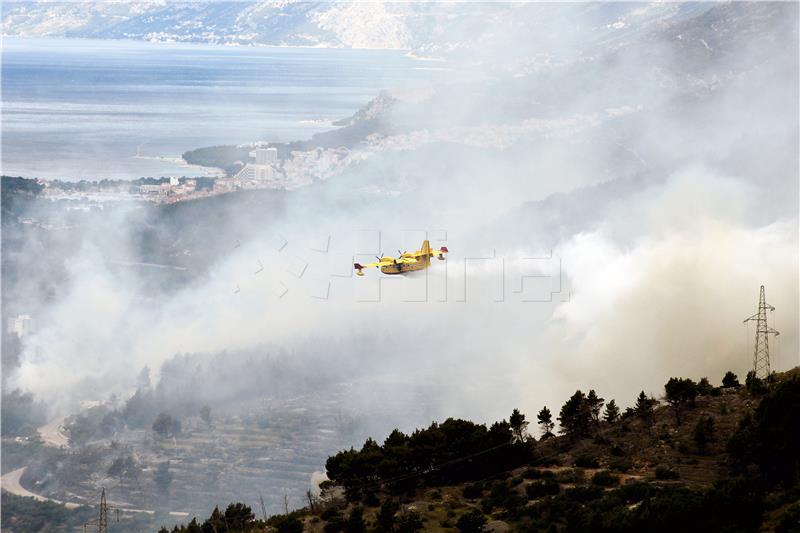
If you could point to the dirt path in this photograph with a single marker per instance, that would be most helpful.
(52, 434)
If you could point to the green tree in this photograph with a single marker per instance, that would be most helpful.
(545, 419)
(21, 413)
(611, 414)
(755, 385)
(704, 387)
(471, 522)
(166, 426)
(679, 392)
(730, 380)
(119, 468)
(214, 523)
(132, 470)
(239, 516)
(409, 522)
(385, 519)
(355, 522)
(80, 430)
(770, 437)
(519, 426)
(140, 408)
(575, 416)
(595, 405)
(645, 408)
(703, 433)
(163, 477)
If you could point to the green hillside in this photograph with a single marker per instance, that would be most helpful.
(702, 458)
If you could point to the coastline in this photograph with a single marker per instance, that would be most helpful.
(407, 52)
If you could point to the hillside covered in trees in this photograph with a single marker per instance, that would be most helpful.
(700, 458)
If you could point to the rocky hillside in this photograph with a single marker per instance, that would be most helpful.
(428, 27)
(703, 458)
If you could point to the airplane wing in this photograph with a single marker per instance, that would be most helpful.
(383, 262)
(376, 264)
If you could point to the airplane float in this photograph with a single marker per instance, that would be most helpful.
(407, 262)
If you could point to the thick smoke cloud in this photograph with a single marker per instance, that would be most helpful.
(659, 272)
(669, 298)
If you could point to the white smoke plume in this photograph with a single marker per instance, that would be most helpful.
(667, 200)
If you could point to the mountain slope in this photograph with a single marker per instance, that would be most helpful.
(706, 459)
(435, 28)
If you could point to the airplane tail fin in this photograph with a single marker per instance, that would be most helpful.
(426, 247)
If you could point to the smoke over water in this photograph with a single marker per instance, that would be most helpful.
(610, 215)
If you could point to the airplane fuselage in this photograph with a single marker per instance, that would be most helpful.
(401, 268)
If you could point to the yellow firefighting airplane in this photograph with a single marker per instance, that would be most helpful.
(407, 262)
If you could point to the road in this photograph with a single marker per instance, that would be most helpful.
(10, 483)
(52, 433)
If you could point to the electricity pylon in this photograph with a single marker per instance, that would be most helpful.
(763, 331)
(102, 523)
(102, 520)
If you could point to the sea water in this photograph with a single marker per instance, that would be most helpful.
(93, 109)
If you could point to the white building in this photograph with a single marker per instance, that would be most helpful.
(266, 156)
(256, 172)
(22, 325)
(149, 189)
(174, 181)
(263, 168)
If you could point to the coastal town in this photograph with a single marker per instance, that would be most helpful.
(262, 164)
(263, 171)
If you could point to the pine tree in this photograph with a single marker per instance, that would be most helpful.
(595, 404)
(163, 477)
(730, 380)
(545, 418)
(612, 412)
(355, 522)
(680, 391)
(575, 416)
(703, 433)
(519, 426)
(644, 408)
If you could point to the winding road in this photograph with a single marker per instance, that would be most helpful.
(10, 483)
(53, 436)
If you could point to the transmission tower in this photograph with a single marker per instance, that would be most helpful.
(763, 331)
(102, 520)
(102, 523)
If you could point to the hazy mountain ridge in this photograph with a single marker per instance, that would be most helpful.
(426, 27)
(372, 25)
